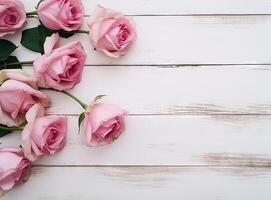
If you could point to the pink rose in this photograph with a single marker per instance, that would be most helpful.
(60, 68)
(16, 97)
(14, 168)
(12, 16)
(111, 32)
(43, 135)
(67, 15)
(103, 124)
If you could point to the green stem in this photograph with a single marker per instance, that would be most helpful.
(27, 62)
(32, 16)
(82, 104)
(31, 13)
(22, 63)
(82, 31)
(11, 128)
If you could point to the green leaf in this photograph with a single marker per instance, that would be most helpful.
(97, 98)
(4, 132)
(10, 63)
(65, 34)
(62, 33)
(6, 49)
(45, 32)
(80, 119)
(34, 38)
(31, 39)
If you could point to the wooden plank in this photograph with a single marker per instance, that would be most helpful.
(145, 183)
(183, 90)
(175, 7)
(172, 140)
(179, 40)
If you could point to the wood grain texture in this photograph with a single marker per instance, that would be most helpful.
(172, 140)
(176, 7)
(180, 40)
(145, 183)
(184, 90)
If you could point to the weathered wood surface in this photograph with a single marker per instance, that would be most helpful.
(185, 40)
(175, 7)
(172, 91)
(69, 183)
(196, 85)
(172, 140)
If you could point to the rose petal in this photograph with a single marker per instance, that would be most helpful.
(51, 43)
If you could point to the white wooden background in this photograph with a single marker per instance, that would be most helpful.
(197, 87)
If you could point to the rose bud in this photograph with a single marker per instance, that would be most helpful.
(67, 15)
(43, 135)
(111, 32)
(103, 123)
(14, 168)
(60, 68)
(16, 97)
(12, 15)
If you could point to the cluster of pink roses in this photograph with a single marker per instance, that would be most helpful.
(110, 31)
(22, 103)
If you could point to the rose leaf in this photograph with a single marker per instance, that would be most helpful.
(4, 132)
(6, 49)
(45, 32)
(10, 63)
(80, 119)
(65, 34)
(34, 38)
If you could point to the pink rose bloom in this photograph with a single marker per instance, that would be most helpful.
(67, 15)
(103, 124)
(14, 168)
(43, 135)
(16, 98)
(111, 32)
(12, 16)
(60, 68)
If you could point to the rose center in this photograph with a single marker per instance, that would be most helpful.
(11, 19)
(124, 35)
(74, 13)
(52, 137)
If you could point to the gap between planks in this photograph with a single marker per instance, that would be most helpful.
(195, 15)
(228, 115)
(220, 160)
(151, 166)
(258, 65)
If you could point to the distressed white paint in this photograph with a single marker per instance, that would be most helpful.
(175, 7)
(182, 40)
(183, 90)
(145, 183)
(172, 140)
